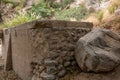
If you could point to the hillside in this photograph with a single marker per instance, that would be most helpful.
(102, 13)
(18, 12)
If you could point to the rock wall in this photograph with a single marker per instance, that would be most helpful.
(54, 51)
(45, 49)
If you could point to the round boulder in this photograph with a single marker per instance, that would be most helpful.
(98, 51)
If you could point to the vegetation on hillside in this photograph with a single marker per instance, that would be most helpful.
(51, 10)
(44, 10)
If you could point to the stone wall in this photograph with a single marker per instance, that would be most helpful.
(45, 49)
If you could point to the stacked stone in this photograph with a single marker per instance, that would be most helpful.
(8, 75)
(54, 50)
(51, 70)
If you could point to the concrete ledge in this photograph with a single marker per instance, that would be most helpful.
(54, 23)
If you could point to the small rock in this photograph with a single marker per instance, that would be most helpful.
(62, 73)
(71, 47)
(73, 63)
(51, 70)
(68, 58)
(34, 71)
(49, 62)
(41, 68)
(37, 67)
(67, 63)
(60, 67)
(38, 78)
(72, 54)
(46, 76)
(33, 78)
(37, 74)
(53, 55)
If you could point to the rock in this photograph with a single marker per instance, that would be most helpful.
(37, 67)
(67, 64)
(38, 79)
(33, 78)
(60, 67)
(98, 51)
(51, 70)
(34, 71)
(71, 47)
(41, 68)
(62, 73)
(73, 63)
(49, 62)
(46, 76)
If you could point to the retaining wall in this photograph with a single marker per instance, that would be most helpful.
(45, 49)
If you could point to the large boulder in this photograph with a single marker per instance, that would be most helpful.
(98, 51)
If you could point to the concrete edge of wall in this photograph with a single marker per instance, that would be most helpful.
(54, 23)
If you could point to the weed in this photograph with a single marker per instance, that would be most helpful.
(77, 13)
(42, 9)
(100, 15)
(111, 9)
(18, 19)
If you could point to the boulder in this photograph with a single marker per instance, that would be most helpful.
(98, 51)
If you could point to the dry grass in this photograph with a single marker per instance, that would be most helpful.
(113, 24)
(92, 19)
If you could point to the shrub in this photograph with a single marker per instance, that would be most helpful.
(56, 5)
(111, 9)
(42, 9)
(66, 2)
(19, 18)
(77, 13)
(115, 3)
(100, 15)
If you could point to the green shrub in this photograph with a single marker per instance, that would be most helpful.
(37, 11)
(18, 19)
(56, 5)
(100, 15)
(42, 9)
(111, 9)
(77, 13)
(66, 2)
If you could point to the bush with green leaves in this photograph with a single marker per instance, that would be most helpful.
(66, 2)
(77, 13)
(100, 15)
(37, 11)
(111, 9)
(42, 9)
(20, 18)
